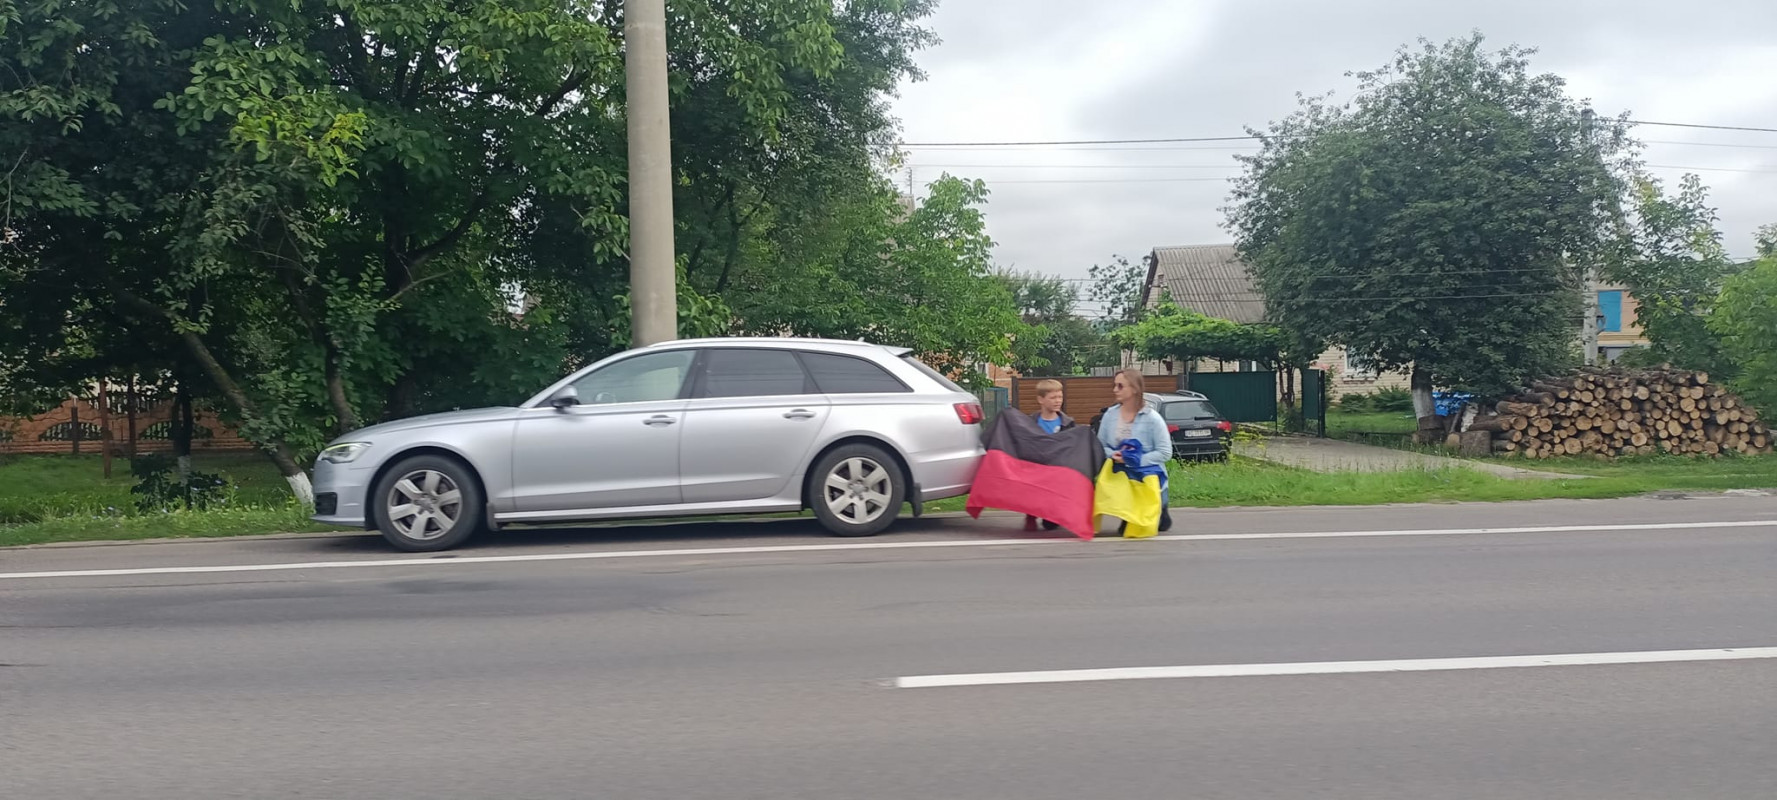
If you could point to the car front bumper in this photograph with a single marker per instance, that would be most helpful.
(339, 494)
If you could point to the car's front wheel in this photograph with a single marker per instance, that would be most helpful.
(427, 503)
(856, 490)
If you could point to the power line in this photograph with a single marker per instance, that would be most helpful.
(1714, 169)
(1225, 166)
(1258, 137)
(1083, 141)
(1116, 180)
(1426, 274)
(1072, 166)
(1702, 127)
(1714, 144)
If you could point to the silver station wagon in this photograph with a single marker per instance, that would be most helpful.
(850, 430)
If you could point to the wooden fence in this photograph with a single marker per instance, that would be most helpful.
(1085, 397)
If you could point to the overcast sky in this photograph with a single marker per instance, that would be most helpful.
(1023, 70)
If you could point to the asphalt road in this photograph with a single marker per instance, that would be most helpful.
(703, 663)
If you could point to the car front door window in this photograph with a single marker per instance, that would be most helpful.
(651, 378)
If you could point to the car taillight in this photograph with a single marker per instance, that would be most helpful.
(1225, 426)
(970, 413)
(1172, 429)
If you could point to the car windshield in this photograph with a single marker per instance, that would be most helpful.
(1190, 411)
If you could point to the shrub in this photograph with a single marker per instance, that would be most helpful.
(1355, 402)
(1392, 398)
(158, 487)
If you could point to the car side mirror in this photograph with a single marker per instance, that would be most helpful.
(564, 398)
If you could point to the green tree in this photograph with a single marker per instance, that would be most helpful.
(1674, 267)
(1117, 288)
(1427, 223)
(1060, 341)
(1766, 240)
(331, 205)
(1185, 336)
(1745, 317)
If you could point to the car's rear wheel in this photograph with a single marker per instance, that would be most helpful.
(856, 490)
(427, 503)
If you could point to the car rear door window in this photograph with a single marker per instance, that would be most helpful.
(1190, 411)
(933, 374)
(836, 374)
(752, 373)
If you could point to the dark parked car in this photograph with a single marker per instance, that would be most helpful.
(1199, 431)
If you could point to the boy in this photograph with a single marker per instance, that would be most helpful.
(1049, 417)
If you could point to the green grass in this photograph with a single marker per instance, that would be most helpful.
(1368, 426)
(1248, 482)
(68, 501)
(67, 498)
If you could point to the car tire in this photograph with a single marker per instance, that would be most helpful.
(428, 503)
(856, 490)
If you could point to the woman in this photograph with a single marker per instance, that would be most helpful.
(1131, 418)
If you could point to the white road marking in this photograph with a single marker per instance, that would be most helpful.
(427, 561)
(1330, 667)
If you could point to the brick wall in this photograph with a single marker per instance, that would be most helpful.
(51, 432)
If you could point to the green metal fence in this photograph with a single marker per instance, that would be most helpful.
(1241, 396)
(994, 400)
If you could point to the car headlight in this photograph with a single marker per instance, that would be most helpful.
(344, 452)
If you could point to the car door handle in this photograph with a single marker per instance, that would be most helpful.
(659, 421)
(800, 413)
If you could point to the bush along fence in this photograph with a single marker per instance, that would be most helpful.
(1617, 412)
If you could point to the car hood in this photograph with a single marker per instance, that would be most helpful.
(467, 417)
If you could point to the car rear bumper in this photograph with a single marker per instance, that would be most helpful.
(946, 474)
(1198, 447)
(339, 494)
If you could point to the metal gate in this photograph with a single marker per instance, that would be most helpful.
(1240, 396)
(1314, 401)
(994, 399)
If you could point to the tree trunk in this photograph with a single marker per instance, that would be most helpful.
(104, 430)
(184, 422)
(129, 410)
(1293, 421)
(336, 395)
(278, 451)
(1421, 383)
(400, 398)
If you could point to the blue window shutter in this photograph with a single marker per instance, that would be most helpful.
(1610, 306)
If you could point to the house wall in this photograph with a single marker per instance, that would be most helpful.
(1631, 335)
(1344, 379)
(1341, 378)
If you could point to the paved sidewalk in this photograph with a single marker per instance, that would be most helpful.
(1332, 455)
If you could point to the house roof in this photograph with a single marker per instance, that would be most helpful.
(1209, 279)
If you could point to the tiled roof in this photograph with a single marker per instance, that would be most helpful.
(1209, 279)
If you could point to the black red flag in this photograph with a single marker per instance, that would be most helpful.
(1046, 475)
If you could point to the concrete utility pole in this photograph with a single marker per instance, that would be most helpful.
(1589, 326)
(653, 284)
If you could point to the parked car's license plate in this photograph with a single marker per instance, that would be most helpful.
(1197, 433)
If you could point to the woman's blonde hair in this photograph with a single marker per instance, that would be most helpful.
(1134, 379)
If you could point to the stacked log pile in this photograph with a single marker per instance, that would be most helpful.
(1624, 412)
